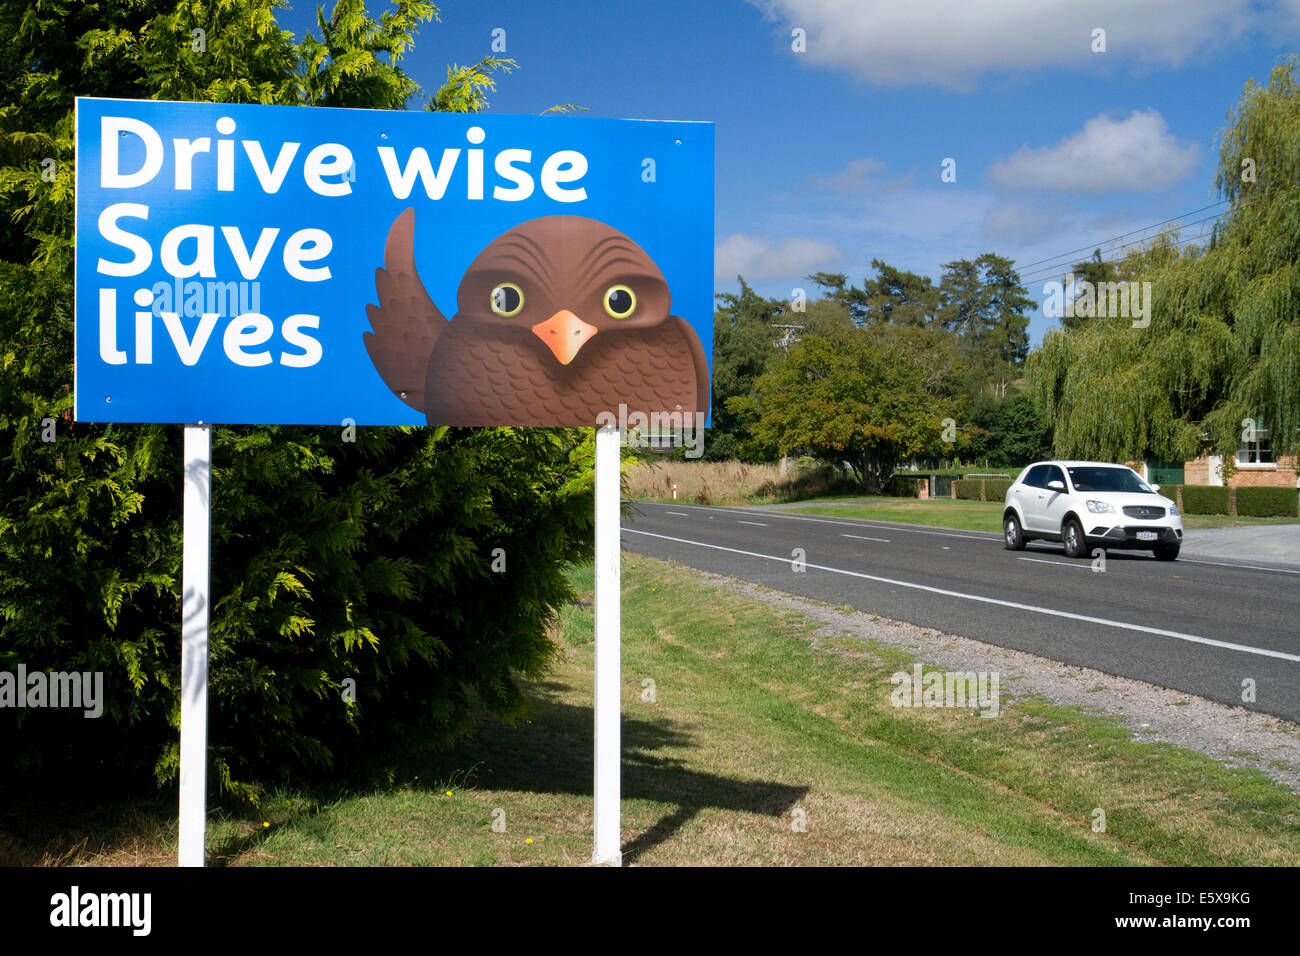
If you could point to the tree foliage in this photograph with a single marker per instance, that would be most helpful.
(1093, 271)
(973, 324)
(869, 397)
(743, 347)
(1223, 345)
(332, 561)
(467, 87)
(981, 301)
(1006, 431)
(984, 304)
(838, 289)
(900, 297)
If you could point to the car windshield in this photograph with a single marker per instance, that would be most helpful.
(1108, 479)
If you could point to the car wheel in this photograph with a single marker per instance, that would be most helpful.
(1166, 552)
(1012, 533)
(1072, 536)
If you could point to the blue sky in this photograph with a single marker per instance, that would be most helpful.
(831, 157)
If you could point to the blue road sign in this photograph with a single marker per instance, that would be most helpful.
(292, 265)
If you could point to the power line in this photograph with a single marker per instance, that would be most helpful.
(1114, 239)
(1093, 245)
(1054, 269)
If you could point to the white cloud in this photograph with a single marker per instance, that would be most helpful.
(1137, 153)
(862, 177)
(852, 178)
(953, 44)
(1013, 221)
(759, 259)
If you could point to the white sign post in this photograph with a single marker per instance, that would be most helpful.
(195, 561)
(608, 738)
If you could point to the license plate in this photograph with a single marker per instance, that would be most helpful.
(1147, 536)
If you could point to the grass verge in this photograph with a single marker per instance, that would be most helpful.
(975, 515)
(749, 739)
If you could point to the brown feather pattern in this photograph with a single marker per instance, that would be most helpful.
(485, 376)
(486, 369)
(406, 323)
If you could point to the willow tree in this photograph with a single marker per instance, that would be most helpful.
(1222, 345)
(1115, 391)
(1259, 278)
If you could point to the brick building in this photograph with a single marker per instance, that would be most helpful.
(1255, 465)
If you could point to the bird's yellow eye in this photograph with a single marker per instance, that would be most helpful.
(620, 302)
(507, 300)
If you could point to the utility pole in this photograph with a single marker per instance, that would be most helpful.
(789, 336)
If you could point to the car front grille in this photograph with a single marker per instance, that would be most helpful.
(1149, 512)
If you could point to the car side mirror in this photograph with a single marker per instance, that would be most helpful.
(1056, 485)
(1155, 487)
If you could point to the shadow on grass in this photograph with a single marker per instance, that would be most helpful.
(552, 753)
(53, 833)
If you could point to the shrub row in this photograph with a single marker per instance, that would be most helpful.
(1268, 502)
(995, 489)
(1256, 502)
(1205, 500)
(902, 486)
(981, 489)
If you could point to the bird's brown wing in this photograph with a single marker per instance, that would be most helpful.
(406, 323)
(702, 383)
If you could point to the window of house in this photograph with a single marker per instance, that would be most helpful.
(1257, 452)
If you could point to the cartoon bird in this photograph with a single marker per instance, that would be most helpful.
(558, 319)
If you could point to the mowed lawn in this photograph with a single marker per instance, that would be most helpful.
(745, 744)
(973, 515)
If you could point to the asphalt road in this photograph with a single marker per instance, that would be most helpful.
(1188, 625)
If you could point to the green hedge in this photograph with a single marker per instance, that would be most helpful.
(1268, 502)
(1205, 500)
(994, 489)
(902, 486)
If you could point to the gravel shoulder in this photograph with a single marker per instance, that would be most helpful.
(1271, 544)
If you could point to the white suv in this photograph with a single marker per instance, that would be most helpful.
(1090, 504)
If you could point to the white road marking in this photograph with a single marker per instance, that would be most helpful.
(863, 523)
(1059, 564)
(1177, 635)
(758, 523)
(863, 537)
(978, 536)
(680, 514)
(1252, 567)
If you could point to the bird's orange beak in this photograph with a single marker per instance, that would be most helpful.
(564, 334)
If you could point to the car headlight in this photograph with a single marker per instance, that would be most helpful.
(1173, 509)
(1101, 507)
